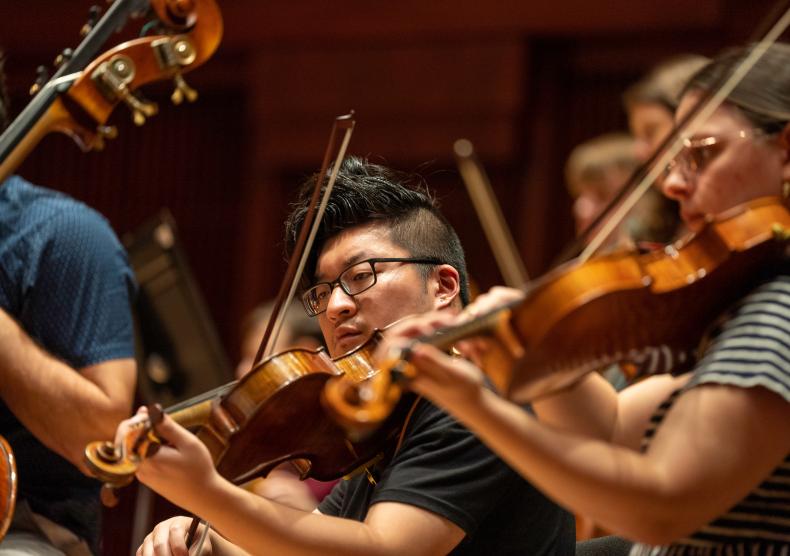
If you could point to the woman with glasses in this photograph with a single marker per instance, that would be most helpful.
(696, 464)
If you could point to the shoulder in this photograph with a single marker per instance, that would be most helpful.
(751, 346)
(436, 447)
(44, 218)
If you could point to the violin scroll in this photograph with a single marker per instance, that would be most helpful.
(116, 464)
(115, 76)
(360, 407)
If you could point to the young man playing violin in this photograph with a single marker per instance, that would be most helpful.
(696, 464)
(66, 359)
(383, 252)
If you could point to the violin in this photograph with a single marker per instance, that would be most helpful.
(648, 311)
(271, 415)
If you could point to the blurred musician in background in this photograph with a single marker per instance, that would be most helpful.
(651, 102)
(595, 172)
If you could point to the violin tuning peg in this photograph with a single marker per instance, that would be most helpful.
(94, 12)
(182, 90)
(780, 232)
(103, 132)
(141, 108)
(42, 76)
(113, 78)
(107, 131)
(63, 57)
(138, 118)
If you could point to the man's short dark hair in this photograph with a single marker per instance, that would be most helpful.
(366, 193)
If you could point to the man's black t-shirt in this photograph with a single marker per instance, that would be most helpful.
(443, 468)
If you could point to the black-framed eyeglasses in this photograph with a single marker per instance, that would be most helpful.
(353, 280)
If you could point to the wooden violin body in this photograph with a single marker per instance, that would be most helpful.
(272, 415)
(275, 415)
(650, 310)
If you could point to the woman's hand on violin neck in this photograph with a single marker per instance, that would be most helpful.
(451, 382)
(169, 539)
(181, 470)
(445, 380)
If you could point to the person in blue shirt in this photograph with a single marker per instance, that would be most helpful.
(67, 372)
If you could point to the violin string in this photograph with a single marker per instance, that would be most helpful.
(211, 394)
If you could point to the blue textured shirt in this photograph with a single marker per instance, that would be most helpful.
(65, 278)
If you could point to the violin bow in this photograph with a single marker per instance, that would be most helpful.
(296, 266)
(304, 243)
(511, 266)
(646, 175)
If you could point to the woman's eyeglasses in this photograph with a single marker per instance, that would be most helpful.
(696, 154)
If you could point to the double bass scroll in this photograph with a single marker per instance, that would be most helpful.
(79, 104)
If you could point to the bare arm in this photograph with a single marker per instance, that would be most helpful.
(589, 407)
(63, 408)
(592, 408)
(716, 444)
(261, 526)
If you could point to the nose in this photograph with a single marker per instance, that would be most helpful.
(340, 304)
(676, 185)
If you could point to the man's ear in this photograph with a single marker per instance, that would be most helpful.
(447, 286)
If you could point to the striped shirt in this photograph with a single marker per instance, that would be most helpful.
(751, 348)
